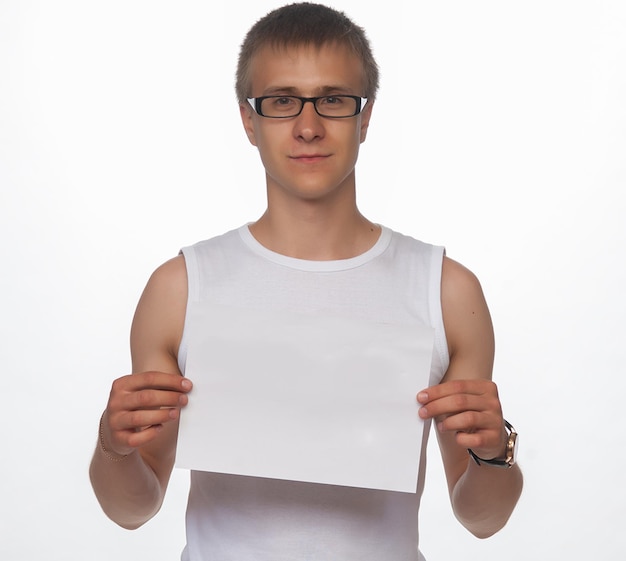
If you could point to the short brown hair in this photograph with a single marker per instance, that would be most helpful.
(305, 23)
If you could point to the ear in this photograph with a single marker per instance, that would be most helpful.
(366, 115)
(247, 119)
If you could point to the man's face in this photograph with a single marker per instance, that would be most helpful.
(308, 156)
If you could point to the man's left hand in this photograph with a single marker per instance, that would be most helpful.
(471, 409)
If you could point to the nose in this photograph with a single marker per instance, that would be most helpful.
(308, 125)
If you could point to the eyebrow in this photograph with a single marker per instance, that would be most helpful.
(322, 90)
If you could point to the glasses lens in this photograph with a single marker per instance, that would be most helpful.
(280, 106)
(327, 106)
(337, 106)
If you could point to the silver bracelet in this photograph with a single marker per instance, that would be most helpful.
(114, 457)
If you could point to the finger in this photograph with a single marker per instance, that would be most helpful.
(139, 438)
(153, 399)
(473, 387)
(468, 422)
(455, 404)
(485, 443)
(148, 390)
(475, 441)
(482, 432)
(152, 380)
(140, 419)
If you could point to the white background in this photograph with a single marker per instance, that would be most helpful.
(499, 132)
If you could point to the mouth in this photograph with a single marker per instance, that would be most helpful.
(309, 158)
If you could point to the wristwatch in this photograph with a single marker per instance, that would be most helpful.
(509, 456)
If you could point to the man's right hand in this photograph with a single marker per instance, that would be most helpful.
(138, 408)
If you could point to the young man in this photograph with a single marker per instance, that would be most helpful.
(306, 86)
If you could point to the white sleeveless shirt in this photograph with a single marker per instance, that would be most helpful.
(239, 518)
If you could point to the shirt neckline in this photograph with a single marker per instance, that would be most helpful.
(316, 266)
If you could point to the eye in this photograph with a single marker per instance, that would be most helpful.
(334, 100)
(283, 102)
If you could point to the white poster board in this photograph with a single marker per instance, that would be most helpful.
(304, 398)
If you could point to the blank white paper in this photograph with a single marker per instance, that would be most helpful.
(304, 398)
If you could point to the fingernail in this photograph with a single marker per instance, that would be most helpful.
(422, 397)
(186, 384)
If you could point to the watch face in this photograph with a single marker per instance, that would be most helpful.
(511, 453)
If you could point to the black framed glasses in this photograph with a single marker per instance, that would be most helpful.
(286, 106)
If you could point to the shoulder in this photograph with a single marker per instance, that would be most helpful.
(170, 277)
(166, 287)
(459, 285)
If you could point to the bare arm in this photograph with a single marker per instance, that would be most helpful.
(467, 410)
(140, 425)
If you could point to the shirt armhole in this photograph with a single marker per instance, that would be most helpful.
(193, 291)
(436, 313)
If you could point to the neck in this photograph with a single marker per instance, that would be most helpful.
(316, 234)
